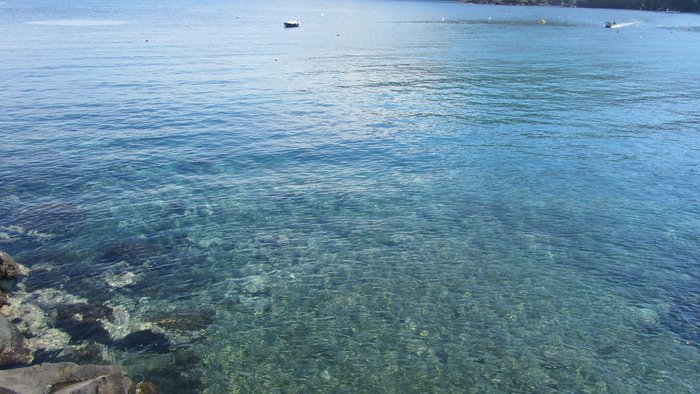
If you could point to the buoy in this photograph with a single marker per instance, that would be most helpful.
(337, 34)
(276, 59)
(542, 21)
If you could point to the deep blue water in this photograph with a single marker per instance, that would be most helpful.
(395, 197)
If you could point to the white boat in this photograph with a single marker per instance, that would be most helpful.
(291, 24)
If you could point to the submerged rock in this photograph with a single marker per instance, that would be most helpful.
(644, 315)
(185, 320)
(65, 378)
(117, 281)
(88, 353)
(84, 321)
(144, 340)
(133, 251)
(559, 357)
(13, 347)
(255, 285)
(27, 317)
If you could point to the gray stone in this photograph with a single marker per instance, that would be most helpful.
(65, 378)
(13, 346)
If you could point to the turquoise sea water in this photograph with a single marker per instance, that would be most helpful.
(395, 197)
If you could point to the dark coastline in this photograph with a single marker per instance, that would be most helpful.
(644, 5)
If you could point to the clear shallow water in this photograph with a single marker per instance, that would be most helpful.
(477, 204)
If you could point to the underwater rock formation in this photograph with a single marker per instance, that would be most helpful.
(85, 321)
(185, 320)
(13, 347)
(144, 340)
(133, 251)
(88, 353)
(255, 285)
(30, 335)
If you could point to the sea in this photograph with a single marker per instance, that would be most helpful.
(396, 196)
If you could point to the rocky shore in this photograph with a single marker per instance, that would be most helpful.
(54, 342)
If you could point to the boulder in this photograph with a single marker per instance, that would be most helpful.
(65, 378)
(13, 346)
(8, 266)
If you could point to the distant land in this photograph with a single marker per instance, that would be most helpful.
(650, 5)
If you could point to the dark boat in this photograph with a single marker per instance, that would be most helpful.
(609, 24)
(291, 24)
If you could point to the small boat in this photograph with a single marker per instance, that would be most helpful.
(608, 25)
(291, 24)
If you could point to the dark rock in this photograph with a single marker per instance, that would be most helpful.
(46, 356)
(3, 298)
(84, 321)
(133, 251)
(8, 266)
(185, 320)
(144, 340)
(51, 218)
(65, 378)
(13, 346)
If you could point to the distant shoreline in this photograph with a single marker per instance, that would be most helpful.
(639, 5)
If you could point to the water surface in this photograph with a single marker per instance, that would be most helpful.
(395, 197)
